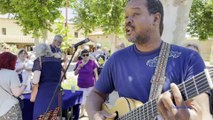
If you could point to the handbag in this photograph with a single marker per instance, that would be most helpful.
(35, 86)
(51, 115)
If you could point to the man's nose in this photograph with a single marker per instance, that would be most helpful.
(129, 21)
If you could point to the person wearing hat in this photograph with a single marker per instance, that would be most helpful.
(86, 69)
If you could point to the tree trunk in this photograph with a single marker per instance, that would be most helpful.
(45, 36)
(176, 16)
(114, 43)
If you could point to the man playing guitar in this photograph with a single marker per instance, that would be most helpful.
(129, 71)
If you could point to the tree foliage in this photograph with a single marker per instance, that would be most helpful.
(35, 16)
(201, 16)
(62, 30)
(5, 47)
(105, 14)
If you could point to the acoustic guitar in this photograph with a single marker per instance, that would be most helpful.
(129, 109)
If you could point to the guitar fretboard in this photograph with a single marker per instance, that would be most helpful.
(189, 89)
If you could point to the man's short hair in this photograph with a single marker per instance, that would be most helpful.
(155, 6)
(58, 37)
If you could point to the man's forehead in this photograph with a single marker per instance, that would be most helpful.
(135, 4)
(59, 40)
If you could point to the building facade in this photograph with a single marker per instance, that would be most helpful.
(11, 34)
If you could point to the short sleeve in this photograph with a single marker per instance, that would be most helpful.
(196, 65)
(36, 65)
(94, 65)
(105, 81)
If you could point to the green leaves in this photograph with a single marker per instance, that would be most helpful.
(6, 7)
(35, 16)
(201, 16)
(61, 30)
(105, 14)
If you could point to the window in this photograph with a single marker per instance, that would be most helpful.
(4, 32)
(76, 34)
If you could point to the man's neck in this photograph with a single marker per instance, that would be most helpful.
(149, 46)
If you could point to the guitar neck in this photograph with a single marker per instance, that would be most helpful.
(189, 89)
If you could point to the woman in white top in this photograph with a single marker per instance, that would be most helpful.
(10, 88)
(24, 67)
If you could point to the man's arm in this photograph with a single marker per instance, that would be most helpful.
(94, 102)
(194, 109)
(93, 106)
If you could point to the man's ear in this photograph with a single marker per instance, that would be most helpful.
(157, 18)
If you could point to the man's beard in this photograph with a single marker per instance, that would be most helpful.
(139, 39)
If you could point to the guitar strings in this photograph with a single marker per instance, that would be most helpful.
(205, 87)
(202, 74)
(197, 81)
(148, 110)
(188, 84)
(154, 109)
(199, 85)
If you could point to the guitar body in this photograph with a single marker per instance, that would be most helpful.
(127, 108)
(122, 106)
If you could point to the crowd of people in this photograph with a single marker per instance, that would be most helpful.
(41, 76)
(16, 73)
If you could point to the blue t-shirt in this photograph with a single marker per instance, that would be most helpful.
(129, 71)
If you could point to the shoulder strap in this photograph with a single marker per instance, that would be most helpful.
(158, 78)
(40, 62)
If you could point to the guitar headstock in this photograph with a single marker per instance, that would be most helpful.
(209, 74)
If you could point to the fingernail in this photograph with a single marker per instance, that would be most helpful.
(172, 84)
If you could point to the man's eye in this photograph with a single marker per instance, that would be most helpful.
(134, 14)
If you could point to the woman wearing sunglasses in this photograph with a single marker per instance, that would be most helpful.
(86, 69)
